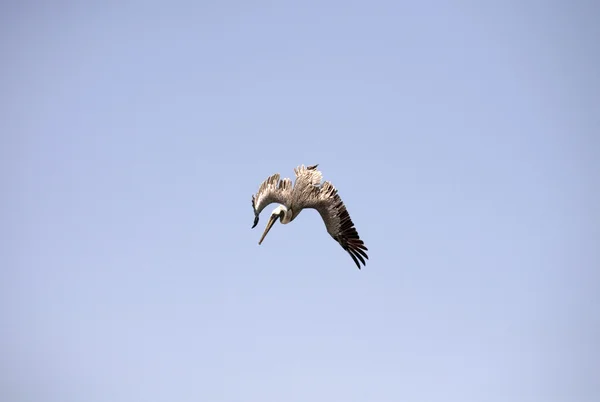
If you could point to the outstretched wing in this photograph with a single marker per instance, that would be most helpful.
(271, 190)
(308, 175)
(337, 220)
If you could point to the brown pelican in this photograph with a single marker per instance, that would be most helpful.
(308, 192)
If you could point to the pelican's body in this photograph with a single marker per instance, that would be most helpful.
(308, 192)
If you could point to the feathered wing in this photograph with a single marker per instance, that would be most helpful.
(337, 220)
(271, 190)
(308, 175)
(308, 182)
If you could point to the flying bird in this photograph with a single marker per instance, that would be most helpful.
(308, 192)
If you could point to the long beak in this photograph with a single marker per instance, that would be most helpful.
(272, 220)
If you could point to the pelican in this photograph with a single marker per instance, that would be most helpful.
(308, 192)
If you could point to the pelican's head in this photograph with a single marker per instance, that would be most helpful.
(278, 212)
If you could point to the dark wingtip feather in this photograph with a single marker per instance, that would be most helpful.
(348, 236)
(359, 251)
(354, 258)
(358, 255)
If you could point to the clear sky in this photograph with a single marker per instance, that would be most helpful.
(463, 138)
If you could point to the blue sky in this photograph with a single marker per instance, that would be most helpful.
(462, 137)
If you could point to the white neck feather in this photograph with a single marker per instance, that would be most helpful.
(287, 217)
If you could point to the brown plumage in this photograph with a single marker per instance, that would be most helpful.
(308, 192)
